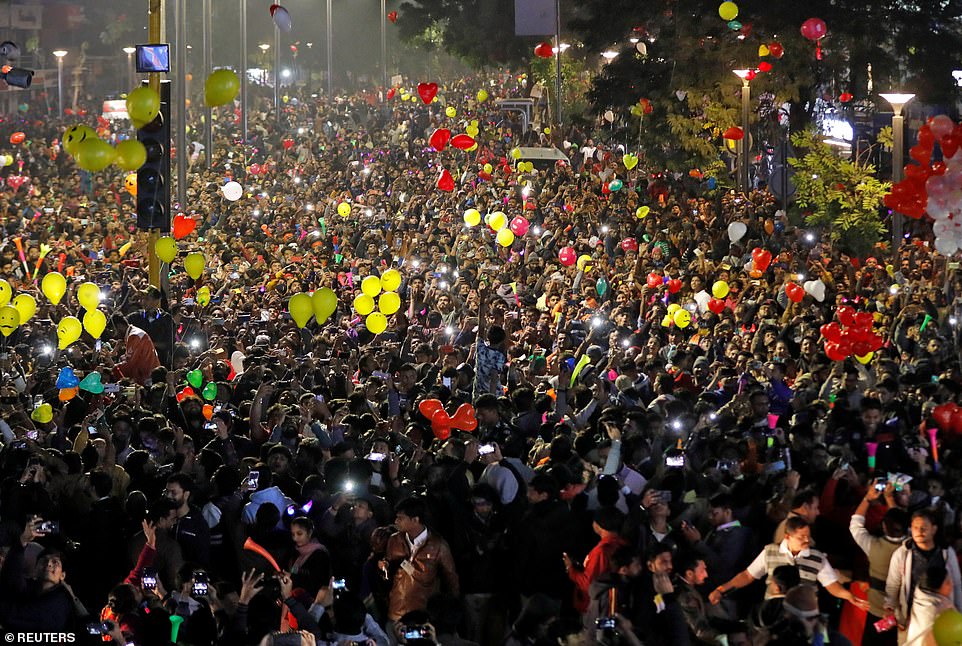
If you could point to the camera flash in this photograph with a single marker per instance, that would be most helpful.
(953, 320)
(604, 229)
(47, 350)
(676, 424)
(194, 343)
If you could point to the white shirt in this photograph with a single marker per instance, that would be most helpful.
(419, 541)
(826, 574)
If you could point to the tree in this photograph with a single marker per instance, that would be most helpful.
(840, 195)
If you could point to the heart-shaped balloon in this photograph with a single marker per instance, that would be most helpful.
(183, 226)
(210, 392)
(195, 378)
(391, 93)
(674, 285)
(282, 18)
(544, 50)
(445, 181)
(464, 418)
(392, 16)
(439, 139)
(66, 394)
(462, 142)
(630, 161)
(761, 259)
(186, 392)
(816, 288)
(428, 407)
(288, 144)
(208, 411)
(67, 378)
(42, 413)
(91, 383)
(427, 92)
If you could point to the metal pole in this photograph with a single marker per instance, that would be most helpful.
(384, 45)
(155, 14)
(744, 176)
(277, 74)
(60, 87)
(208, 68)
(243, 74)
(330, 50)
(131, 81)
(180, 37)
(557, 58)
(898, 154)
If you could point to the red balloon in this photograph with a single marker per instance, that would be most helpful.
(716, 305)
(567, 256)
(17, 138)
(674, 285)
(654, 280)
(445, 181)
(441, 424)
(864, 320)
(831, 332)
(950, 144)
(391, 93)
(942, 415)
(519, 226)
(734, 134)
(814, 29)
(183, 225)
(776, 50)
(846, 316)
(955, 425)
(440, 138)
(833, 353)
(761, 259)
(464, 418)
(629, 244)
(288, 144)
(876, 342)
(462, 142)
(544, 50)
(845, 97)
(392, 16)
(428, 407)
(427, 91)
(845, 346)
(764, 66)
(794, 292)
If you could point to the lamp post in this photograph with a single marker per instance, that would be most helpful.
(744, 176)
(60, 53)
(897, 101)
(130, 66)
(384, 45)
(243, 73)
(277, 73)
(206, 43)
(264, 47)
(330, 50)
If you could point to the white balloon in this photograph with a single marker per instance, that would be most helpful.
(232, 191)
(816, 288)
(641, 48)
(281, 18)
(702, 299)
(594, 241)
(609, 116)
(737, 231)
(946, 245)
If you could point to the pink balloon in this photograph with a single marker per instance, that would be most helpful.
(941, 125)
(567, 256)
(814, 28)
(519, 226)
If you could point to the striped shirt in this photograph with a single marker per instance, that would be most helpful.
(812, 565)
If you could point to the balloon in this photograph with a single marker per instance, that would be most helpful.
(427, 92)
(716, 305)
(720, 289)
(26, 306)
(130, 184)
(498, 220)
(846, 316)
(194, 264)
(324, 302)
(376, 322)
(76, 135)
(544, 50)
(462, 142)
(68, 331)
(736, 231)
(203, 296)
(642, 212)
(282, 18)
(629, 244)
(445, 181)
(88, 295)
(440, 138)
(131, 154)
(232, 191)
(392, 16)
(388, 303)
(42, 413)
(763, 50)
(864, 359)
(94, 154)
(505, 237)
(609, 116)
(472, 217)
(776, 49)
(654, 280)
(301, 309)
(67, 378)
(794, 292)
(166, 249)
(601, 286)
(816, 288)
(221, 87)
(210, 392)
(183, 226)
(519, 226)
(450, 112)
(567, 256)
(615, 185)
(629, 160)
(584, 262)
(734, 134)
(674, 285)
(363, 304)
(9, 320)
(143, 105)
(482, 96)
(95, 322)
(391, 280)
(814, 29)
(728, 11)
(91, 383)
(371, 286)
(947, 628)
(488, 168)
(515, 153)
(344, 209)
(761, 259)
(53, 286)
(682, 318)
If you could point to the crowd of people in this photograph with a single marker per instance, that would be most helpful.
(633, 478)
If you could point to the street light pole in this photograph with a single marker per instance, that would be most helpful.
(180, 136)
(743, 174)
(557, 59)
(330, 51)
(897, 101)
(243, 74)
(384, 45)
(130, 66)
(208, 68)
(60, 53)
(277, 73)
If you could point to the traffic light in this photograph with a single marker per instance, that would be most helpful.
(153, 178)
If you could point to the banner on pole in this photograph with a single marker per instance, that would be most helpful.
(535, 17)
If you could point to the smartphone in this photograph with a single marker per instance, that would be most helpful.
(149, 580)
(49, 527)
(33, 435)
(252, 479)
(375, 457)
(880, 485)
(339, 585)
(775, 467)
(664, 495)
(91, 430)
(607, 623)
(416, 632)
(446, 382)
(486, 449)
(99, 628)
(200, 584)
(111, 389)
(675, 461)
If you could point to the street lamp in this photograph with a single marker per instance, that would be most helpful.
(744, 177)
(897, 101)
(60, 53)
(130, 65)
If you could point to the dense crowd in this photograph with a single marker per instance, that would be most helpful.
(633, 478)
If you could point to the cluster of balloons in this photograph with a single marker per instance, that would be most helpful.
(934, 187)
(94, 154)
(853, 337)
(388, 302)
(320, 304)
(464, 418)
(14, 311)
(567, 256)
(195, 379)
(678, 316)
(221, 87)
(94, 321)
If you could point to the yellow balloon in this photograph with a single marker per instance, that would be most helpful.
(53, 286)
(130, 183)
(547, 131)
(9, 320)
(95, 322)
(376, 322)
(94, 155)
(450, 112)
(719, 289)
(131, 154)
(864, 359)
(166, 249)
(203, 296)
(482, 96)
(88, 295)
(6, 291)
(26, 306)
(498, 221)
(674, 307)
(343, 209)
(194, 264)
(666, 321)
(391, 280)
(221, 87)
(728, 11)
(472, 131)
(324, 302)
(505, 237)
(371, 286)
(76, 135)
(472, 217)
(388, 303)
(584, 262)
(488, 168)
(642, 212)
(682, 318)
(143, 105)
(363, 304)
(473, 147)
(301, 309)
(68, 331)
(515, 153)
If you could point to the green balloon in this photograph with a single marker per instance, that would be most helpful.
(948, 627)
(221, 87)
(615, 185)
(601, 286)
(734, 25)
(210, 392)
(195, 378)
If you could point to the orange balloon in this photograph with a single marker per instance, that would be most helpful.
(66, 394)
(754, 273)
(17, 138)
(769, 227)
(208, 412)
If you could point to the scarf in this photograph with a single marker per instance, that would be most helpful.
(304, 552)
